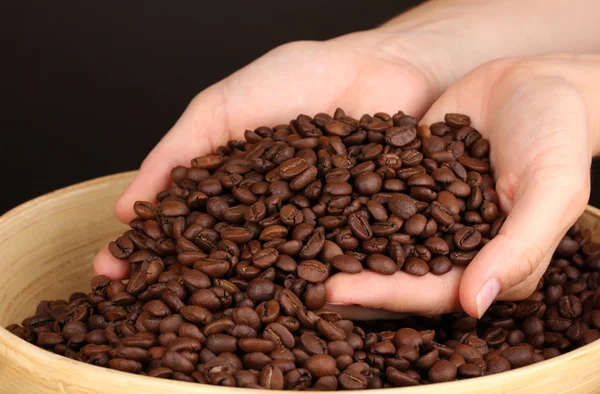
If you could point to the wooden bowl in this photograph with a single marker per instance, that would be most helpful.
(46, 250)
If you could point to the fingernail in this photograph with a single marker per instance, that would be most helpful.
(337, 303)
(487, 295)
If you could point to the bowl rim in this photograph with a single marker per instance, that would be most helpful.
(37, 355)
(74, 188)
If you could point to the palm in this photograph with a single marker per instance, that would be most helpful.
(312, 77)
(303, 77)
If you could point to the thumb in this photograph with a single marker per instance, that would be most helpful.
(548, 201)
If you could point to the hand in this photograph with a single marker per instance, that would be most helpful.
(361, 73)
(540, 116)
(404, 64)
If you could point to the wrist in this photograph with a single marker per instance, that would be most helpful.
(456, 36)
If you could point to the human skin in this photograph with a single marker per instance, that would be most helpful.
(541, 117)
(405, 64)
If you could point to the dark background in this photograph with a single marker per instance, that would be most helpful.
(81, 82)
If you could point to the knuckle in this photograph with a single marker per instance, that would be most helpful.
(532, 256)
(519, 292)
(529, 256)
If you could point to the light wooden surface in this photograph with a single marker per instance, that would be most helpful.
(46, 247)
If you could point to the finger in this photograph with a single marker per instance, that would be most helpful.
(541, 215)
(471, 95)
(543, 194)
(529, 285)
(354, 312)
(401, 292)
(200, 130)
(106, 264)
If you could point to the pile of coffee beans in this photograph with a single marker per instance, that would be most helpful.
(228, 266)
(320, 195)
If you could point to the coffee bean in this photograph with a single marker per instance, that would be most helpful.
(157, 308)
(400, 379)
(381, 264)
(400, 136)
(347, 264)
(271, 378)
(321, 365)
(416, 266)
(518, 356)
(442, 371)
(290, 215)
(353, 380)
(330, 330)
(569, 306)
(292, 168)
(368, 183)
(265, 258)
(314, 244)
(279, 334)
(289, 302)
(312, 271)
(177, 362)
(122, 248)
(221, 343)
(467, 238)
(125, 365)
(297, 379)
(259, 290)
(402, 206)
(457, 120)
(415, 224)
(315, 296)
(360, 226)
(409, 337)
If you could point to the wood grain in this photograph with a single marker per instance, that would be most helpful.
(46, 247)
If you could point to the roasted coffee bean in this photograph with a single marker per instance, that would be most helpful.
(271, 378)
(321, 365)
(416, 266)
(381, 264)
(265, 258)
(440, 265)
(289, 302)
(347, 264)
(330, 330)
(312, 271)
(314, 244)
(279, 334)
(442, 371)
(409, 337)
(196, 314)
(402, 206)
(569, 306)
(259, 290)
(251, 345)
(518, 356)
(360, 226)
(467, 238)
(400, 379)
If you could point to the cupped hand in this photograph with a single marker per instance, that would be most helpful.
(541, 134)
(363, 73)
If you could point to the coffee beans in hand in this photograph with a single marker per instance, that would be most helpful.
(229, 264)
